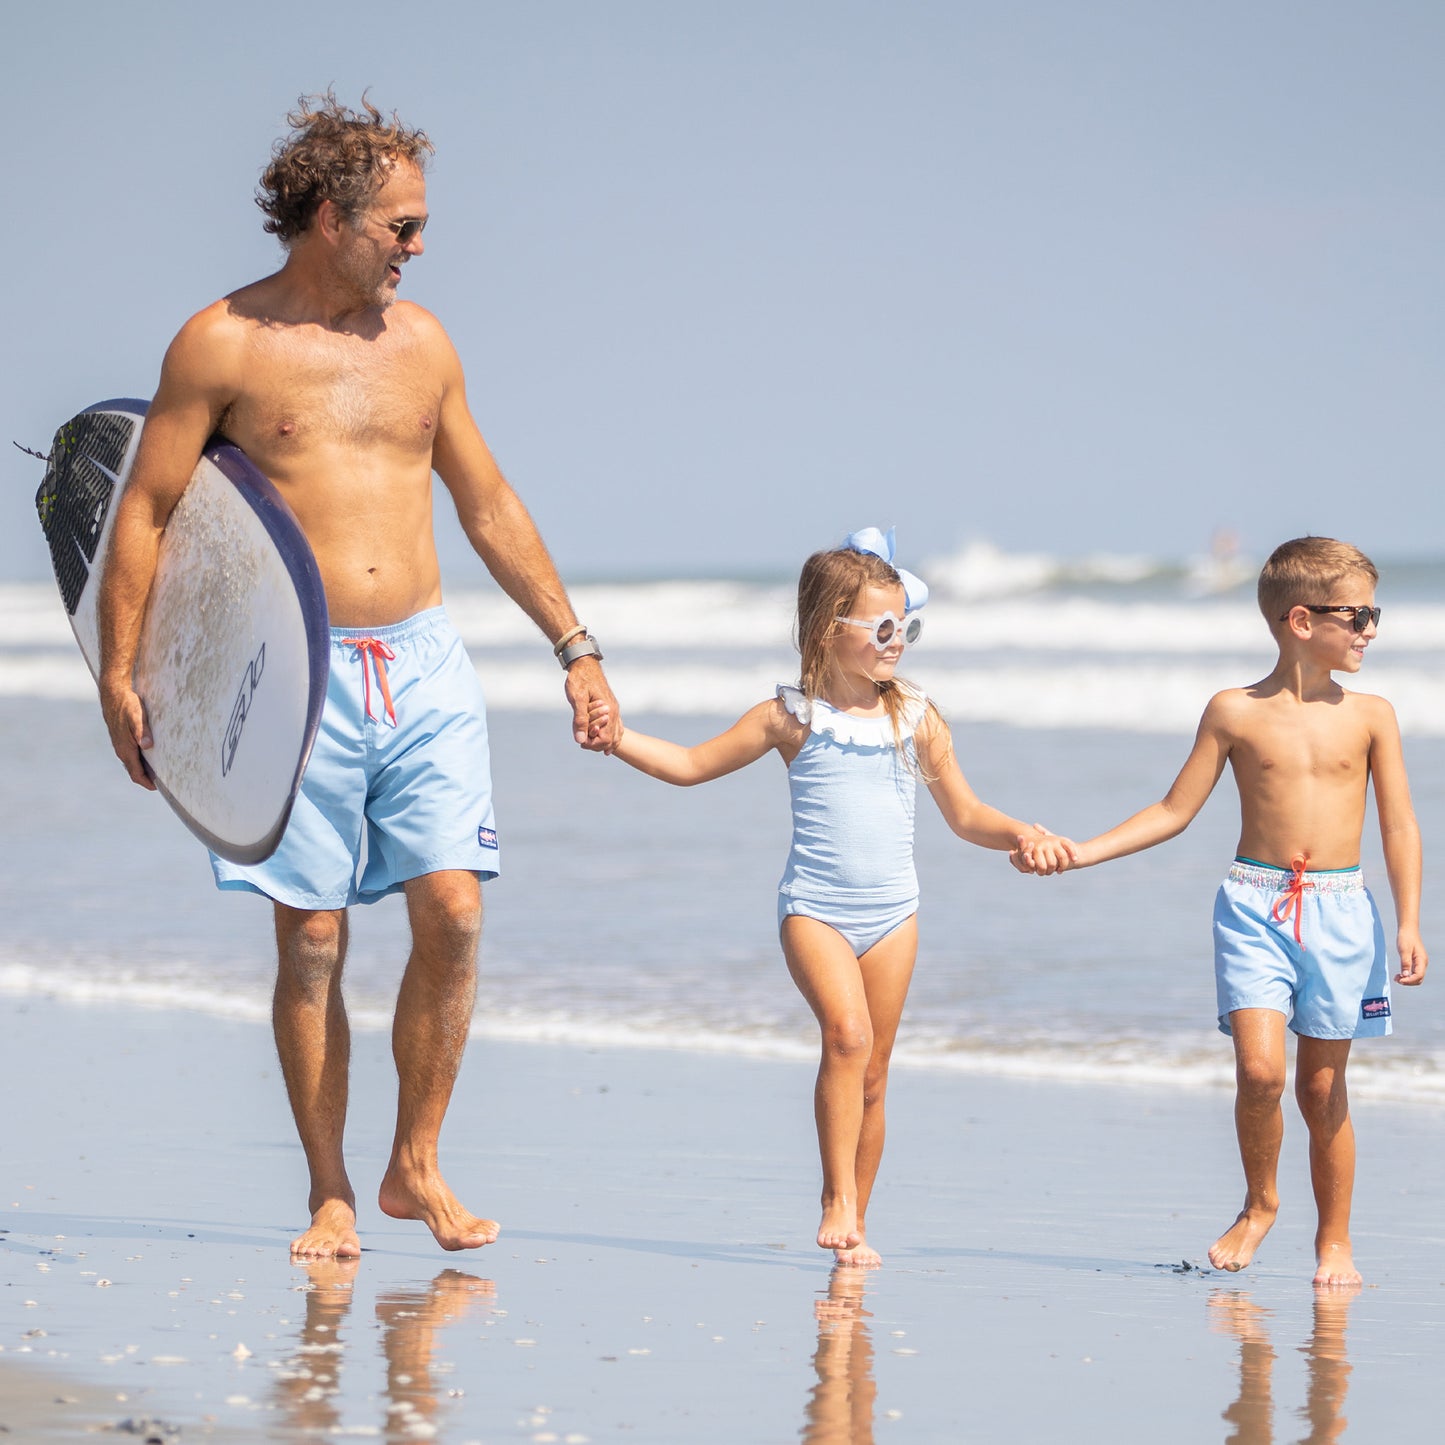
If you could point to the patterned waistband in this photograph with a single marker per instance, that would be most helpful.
(1281, 880)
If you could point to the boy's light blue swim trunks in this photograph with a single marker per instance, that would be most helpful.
(1309, 945)
(384, 801)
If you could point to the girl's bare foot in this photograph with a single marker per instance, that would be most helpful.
(839, 1229)
(1336, 1266)
(861, 1256)
(1234, 1249)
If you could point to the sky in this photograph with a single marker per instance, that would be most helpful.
(730, 280)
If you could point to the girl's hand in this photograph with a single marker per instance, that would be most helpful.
(1043, 852)
(1053, 854)
(599, 718)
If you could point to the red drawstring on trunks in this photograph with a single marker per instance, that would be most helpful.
(1293, 897)
(380, 655)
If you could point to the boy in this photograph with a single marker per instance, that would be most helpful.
(1296, 934)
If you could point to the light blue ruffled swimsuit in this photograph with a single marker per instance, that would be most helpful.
(853, 792)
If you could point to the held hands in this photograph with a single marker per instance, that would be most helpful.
(601, 718)
(1042, 852)
(596, 717)
(1413, 958)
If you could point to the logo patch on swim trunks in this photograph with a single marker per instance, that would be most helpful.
(1375, 1008)
(486, 837)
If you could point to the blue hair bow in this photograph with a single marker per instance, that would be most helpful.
(880, 544)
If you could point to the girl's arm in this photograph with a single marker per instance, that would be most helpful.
(1174, 812)
(1400, 835)
(972, 819)
(760, 729)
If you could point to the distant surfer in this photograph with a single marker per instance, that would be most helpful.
(348, 400)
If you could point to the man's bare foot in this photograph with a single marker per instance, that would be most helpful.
(861, 1256)
(839, 1228)
(1234, 1249)
(1336, 1267)
(438, 1208)
(332, 1234)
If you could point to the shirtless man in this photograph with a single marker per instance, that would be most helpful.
(349, 399)
(1297, 937)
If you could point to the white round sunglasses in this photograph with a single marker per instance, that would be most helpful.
(888, 629)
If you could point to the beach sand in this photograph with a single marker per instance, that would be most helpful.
(655, 1279)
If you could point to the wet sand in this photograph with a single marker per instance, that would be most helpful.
(655, 1279)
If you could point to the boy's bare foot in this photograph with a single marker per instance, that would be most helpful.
(861, 1256)
(1234, 1249)
(438, 1208)
(1336, 1266)
(839, 1228)
(1231, 1311)
(332, 1234)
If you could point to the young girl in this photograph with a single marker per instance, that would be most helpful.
(854, 739)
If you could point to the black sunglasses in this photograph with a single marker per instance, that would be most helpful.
(406, 231)
(1360, 617)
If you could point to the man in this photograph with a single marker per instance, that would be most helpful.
(348, 400)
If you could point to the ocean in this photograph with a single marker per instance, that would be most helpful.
(630, 913)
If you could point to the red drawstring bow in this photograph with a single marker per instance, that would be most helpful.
(380, 655)
(1293, 897)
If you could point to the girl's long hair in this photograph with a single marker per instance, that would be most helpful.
(828, 588)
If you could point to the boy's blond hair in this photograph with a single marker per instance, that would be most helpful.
(1307, 570)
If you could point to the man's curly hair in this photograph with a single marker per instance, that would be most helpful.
(333, 154)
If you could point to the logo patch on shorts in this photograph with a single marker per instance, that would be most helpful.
(486, 837)
(1375, 1008)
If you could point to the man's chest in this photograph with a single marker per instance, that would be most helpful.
(295, 400)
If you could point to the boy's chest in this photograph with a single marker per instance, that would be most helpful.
(1304, 749)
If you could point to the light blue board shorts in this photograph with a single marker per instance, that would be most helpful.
(1332, 981)
(861, 924)
(381, 803)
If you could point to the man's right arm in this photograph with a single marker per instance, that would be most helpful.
(189, 402)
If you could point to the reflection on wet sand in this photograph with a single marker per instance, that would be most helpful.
(1232, 1312)
(410, 1319)
(1328, 1366)
(840, 1405)
(308, 1383)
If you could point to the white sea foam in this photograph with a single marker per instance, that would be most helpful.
(1154, 697)
(748, 618)
(1142, 659)
(57, 676)
(981, 569)
(1162, 1062)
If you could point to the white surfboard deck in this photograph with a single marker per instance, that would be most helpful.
(233, 658)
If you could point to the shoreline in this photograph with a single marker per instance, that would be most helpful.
(1207, 1068)
(656, 1275)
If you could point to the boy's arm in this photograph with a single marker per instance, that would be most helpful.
(758, 730)
(1180, 805)
(972, 819)
(1400, 835)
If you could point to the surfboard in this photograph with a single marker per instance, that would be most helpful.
(233, 657)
